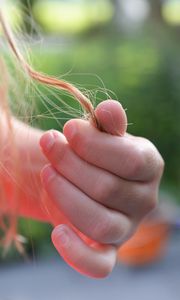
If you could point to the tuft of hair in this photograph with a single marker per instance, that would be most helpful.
(33, 98)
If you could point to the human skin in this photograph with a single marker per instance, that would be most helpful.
(95, 187)
(103, 182)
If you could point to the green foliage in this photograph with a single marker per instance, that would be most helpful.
(38, 242)
(142, 73)
(38, 237)
(144, 76)
(69, 17)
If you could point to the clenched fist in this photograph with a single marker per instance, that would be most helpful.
(104, 183)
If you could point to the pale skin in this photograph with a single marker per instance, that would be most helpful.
(97, 186)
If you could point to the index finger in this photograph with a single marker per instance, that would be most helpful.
(130, 158)
(88, 260)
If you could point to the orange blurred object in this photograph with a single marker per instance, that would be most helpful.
(147, 245)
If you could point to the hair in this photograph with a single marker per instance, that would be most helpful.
(44, 79)
(8, 155)
(8, 215)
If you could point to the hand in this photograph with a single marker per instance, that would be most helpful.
(104, 185)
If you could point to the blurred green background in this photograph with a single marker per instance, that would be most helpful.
(128, 49)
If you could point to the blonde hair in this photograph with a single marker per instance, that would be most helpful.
(44, 79)
(9, 156)
(8, 215)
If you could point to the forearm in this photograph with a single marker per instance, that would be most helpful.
(21, 164)
(31, 162)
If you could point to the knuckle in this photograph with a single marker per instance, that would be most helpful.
(146, 162)
(153, 159)
(153, 201)
(138, 163)
(102, 230)
(150, 204)
(108, 231)
(146, 158)
(147, 200)
(106, 188)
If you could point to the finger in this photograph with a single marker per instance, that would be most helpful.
(130, 158)
(131, 198)
(83, 258)
(112, 117)
(91, 218)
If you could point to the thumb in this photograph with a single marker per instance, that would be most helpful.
(111, 117)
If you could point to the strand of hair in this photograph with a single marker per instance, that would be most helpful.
(44, 79)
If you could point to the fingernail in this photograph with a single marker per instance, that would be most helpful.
(48, 173)
(70, 130)
(61, 236)
(47, 141)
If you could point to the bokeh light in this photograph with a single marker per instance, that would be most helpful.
(171, 12)
(71, 16)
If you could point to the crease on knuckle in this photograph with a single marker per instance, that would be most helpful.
(150, 203)
(147, 201)
(105, 189)
(108, 230)
(138, 163)
(152, 159)
(153, 201)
